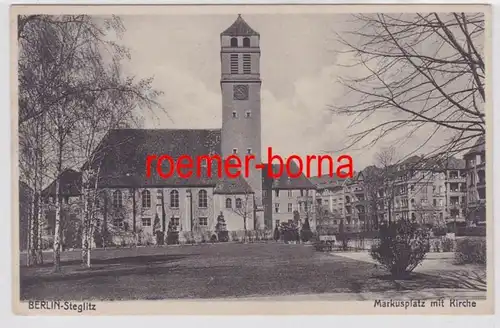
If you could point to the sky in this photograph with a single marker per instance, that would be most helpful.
(300, 68)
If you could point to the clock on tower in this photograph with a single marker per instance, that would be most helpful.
(240, 92)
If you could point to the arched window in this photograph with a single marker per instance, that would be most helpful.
(229, 203)
(117, 199)
(238, 202)
(202, 199)
(246, 42)
(174, 199)
(234, 42)
(146, 199)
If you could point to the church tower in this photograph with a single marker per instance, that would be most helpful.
(241, 117)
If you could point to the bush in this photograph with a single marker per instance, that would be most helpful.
(306, 233)
(471, 231)
(470, 250)
(223, 236)
(289, 231)
(234, 236)
(439, 231)
(401, 247)
(447, 245)
(435, 245)
(172, 237)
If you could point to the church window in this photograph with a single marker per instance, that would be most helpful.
(234, 42)
(203, 221)
(235, 115)
(248, 114)
(117, 199)
(249, 151)
(146, 199)
(246, 42)
(146, 222)
(234, 64)
(202, 199)
(229, 203)
(238, 202)
(174, 199)
(247, 64)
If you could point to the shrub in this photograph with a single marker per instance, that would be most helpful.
(401, 247)
(439, 231)
(221, 229)
(471, 231)
(289, 231)
(234, 236)
(276, 235)
(306, 233)
(470, 250)
(447, 245)
(435, 245)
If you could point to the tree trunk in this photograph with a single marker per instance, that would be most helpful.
(245, 228)
(57, 228)
(85, 221)
(32, 233)
(39, 239)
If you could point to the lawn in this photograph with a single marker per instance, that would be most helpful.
(211, 271)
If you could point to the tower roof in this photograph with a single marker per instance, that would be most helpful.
(239, 28)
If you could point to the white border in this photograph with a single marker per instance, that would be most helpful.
(251, 322)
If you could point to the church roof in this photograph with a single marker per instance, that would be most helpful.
(239, 28)
(123, 153)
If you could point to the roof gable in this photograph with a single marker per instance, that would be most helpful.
(239, 28)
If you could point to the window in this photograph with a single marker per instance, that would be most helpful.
(146, 222)
(117, 199)
(174, 199)
(118, 223)
(229, 203)
(202, 199)
(276, 207)
(246, 42)
(290, 207)
(277, 223)
(249, 151)
(248, 114)
(290, 193)
(238, 203)
(146, 199)
(234, 42)
(277, 192)
(434, 202)
(235, 115)
(175, 221)
(235, 151)
(247, 64)
(234, 64)
(203, 221)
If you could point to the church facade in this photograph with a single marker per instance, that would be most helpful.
(131, 202)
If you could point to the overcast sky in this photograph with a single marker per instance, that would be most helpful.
(299, 69)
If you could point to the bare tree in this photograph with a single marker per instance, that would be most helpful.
(70, 72)
(244, 207)
(427, 70)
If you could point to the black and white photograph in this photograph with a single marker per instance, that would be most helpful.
(252, 153)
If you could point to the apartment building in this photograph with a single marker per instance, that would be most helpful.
(475, 200)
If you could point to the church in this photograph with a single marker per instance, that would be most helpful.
(130, 201)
